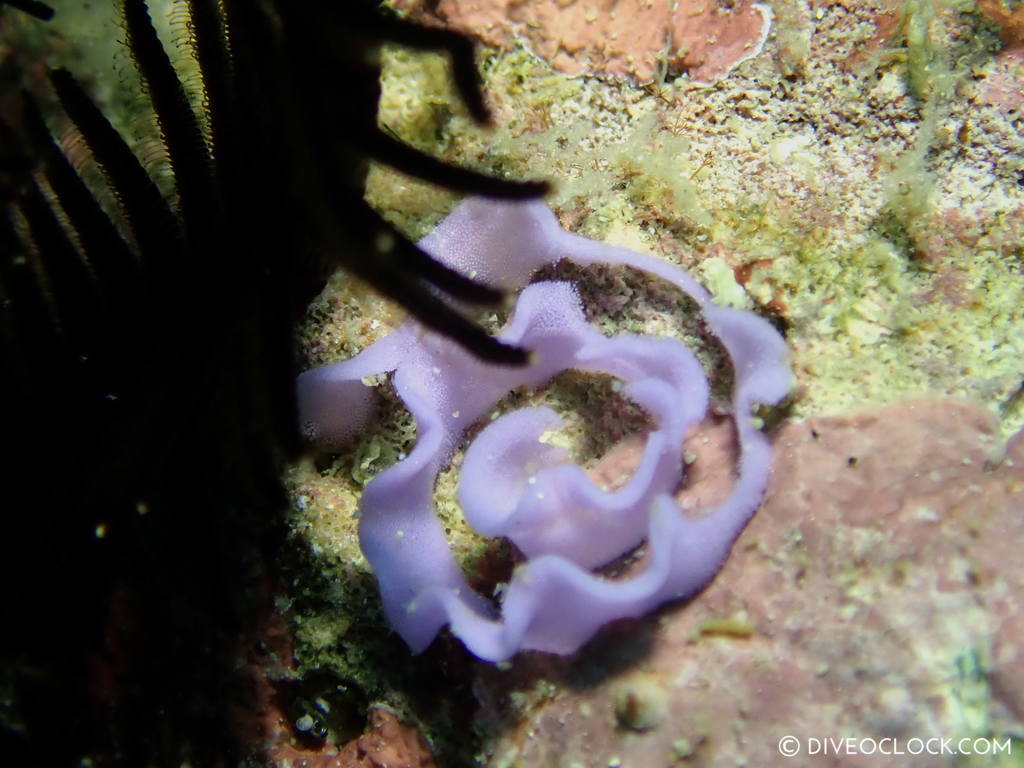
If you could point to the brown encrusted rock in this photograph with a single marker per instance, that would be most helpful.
(387, 744)
(263, 726)
(626, 38)
(876, 594)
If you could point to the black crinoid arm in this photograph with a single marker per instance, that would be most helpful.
(148, 359)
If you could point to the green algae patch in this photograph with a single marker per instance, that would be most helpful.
(348, 657)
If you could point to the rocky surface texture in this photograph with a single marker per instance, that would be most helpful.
(877, 593)
(639, 39)
(387, 743)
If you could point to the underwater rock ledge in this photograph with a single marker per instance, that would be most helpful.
(876, 592)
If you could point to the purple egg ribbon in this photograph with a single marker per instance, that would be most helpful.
(514, 485)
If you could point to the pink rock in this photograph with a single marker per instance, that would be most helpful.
(628, 38)
(876, 594)
(1003, 85)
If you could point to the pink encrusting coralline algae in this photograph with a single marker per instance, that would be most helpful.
(515, 485)
(639, 39)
